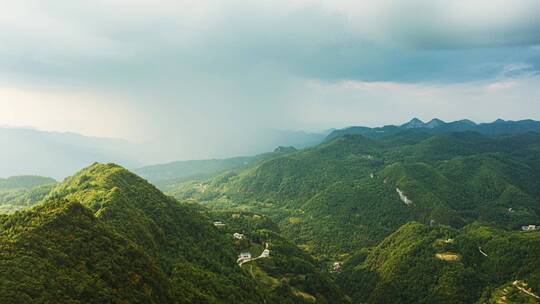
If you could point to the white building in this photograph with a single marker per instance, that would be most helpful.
(219, 224)
(336, 267)
(528, 228)
(244, 255)
(238, 236)
(265, 253)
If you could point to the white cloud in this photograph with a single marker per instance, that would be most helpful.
(346, 103)
(501, 85)
(67, 110)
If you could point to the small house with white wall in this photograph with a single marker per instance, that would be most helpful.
(336, 267)
(238, 236)
(219, 224)
(529, 228)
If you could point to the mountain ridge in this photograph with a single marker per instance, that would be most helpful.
(438, 126)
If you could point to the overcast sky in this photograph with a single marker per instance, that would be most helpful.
(199, 73)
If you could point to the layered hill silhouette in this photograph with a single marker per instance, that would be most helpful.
(438, 126)
(55, 154)
(170, 175)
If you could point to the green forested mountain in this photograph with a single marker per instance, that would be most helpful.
(419, 264)
(172, 175)
(343, 195)
(416, 217)
(105, 235)
(411, 217)
(191, 169)
(291, 274)
(437, 126)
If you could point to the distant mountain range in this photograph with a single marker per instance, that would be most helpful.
(29, 151)
(170, 175)
(56, 154)
(34, 152)
(438, 126)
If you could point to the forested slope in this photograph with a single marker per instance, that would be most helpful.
(353, 191)
(419, 264)
(105, 235)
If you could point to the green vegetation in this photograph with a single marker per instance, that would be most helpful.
(19, 192)
(437, 126)
(419, 264)
(341, 196)
(291, 275)
(172, 175)
(407, 216)
(105, 235)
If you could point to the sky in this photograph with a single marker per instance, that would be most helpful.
(200, 77)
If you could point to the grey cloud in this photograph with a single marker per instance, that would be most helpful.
(200, 73)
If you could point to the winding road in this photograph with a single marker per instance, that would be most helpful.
(483, 253)
(522, 289)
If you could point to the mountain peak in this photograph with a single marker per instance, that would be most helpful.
(499, 120)
(467, 121)
(414, 123)
(435, 122)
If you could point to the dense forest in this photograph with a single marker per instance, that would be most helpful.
(343, 195)
(408, 217)
(421, 264)
(105, 235)
(346, 199)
